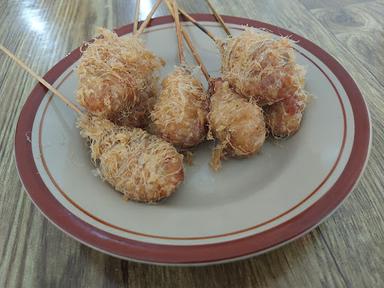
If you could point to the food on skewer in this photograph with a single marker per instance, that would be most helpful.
(146, 168)
(236, 123)
(283, 118)
(261, 67)
(117, 77)
(142, 166)
(179, 114)
(266, 70)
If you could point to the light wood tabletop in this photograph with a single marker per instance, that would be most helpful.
(347, 250)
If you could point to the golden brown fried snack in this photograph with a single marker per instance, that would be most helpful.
(284, 118)
(236, 123)
(116, 79)
(179, 115)
(142, 166)
(261, 67)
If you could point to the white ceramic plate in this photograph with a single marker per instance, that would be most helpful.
(247, 208)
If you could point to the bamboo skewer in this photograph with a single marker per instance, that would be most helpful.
(198, 25)
(195, 54)
(136, 19)
(41, 80)
(218, 18)
(178, 32)
(149, 17)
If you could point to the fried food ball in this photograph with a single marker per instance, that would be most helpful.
(116, 78)
(142, 166)
(260, 67)
(179, 115)
(237, 124)
(284, 118)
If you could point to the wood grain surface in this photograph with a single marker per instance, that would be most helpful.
(347, 250)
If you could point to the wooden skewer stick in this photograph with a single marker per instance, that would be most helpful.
(198, 25)
(218, 18)
(41, 80)
(178, 32)
(136, 19)
(195, 55)
(149, 17)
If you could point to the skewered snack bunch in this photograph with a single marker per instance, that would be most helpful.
(136, 130)
(264, 69)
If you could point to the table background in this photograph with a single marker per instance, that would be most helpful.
(347, 250)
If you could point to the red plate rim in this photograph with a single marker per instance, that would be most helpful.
(205, 253)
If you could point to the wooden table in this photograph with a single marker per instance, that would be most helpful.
(347, 250)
